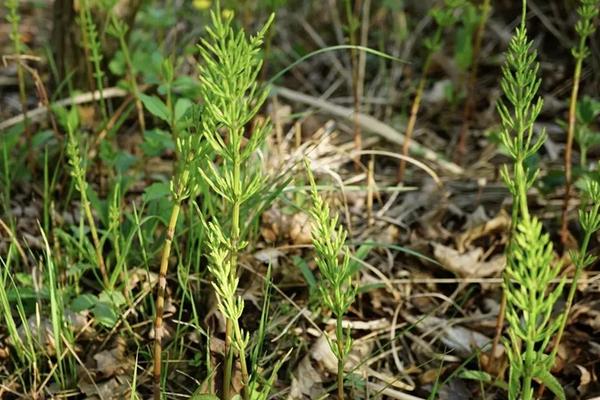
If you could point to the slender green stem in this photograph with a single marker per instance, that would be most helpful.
(97, 245)
(235, 237)
(242, 356)
(339, 336)
(569, 145)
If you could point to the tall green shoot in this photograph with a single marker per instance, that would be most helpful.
(78, 173)
(529, 272)
(337, 290)
(14, 19)
(93, 51)
(231, 62)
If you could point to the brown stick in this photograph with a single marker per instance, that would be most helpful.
(412, 121)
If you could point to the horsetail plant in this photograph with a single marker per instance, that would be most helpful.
(529, 272)
(337, 290)
(14, 19)
(78, 174)
(93, 51)
(588, 10)
(232, 98)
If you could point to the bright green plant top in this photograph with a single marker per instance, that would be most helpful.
(329, 239)
(587, 10)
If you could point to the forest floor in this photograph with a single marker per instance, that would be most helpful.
(430, 248)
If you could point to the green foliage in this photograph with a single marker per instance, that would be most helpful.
(78, 174)
(520, 84)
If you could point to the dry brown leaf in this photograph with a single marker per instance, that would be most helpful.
(500, 223)
(461, 340)
(114, 389)
(112, 362)
(469, 264)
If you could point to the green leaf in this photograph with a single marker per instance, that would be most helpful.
(83, 302)
(473, 375)
(156, 142)
(112, 297)
(156, 191)
(41, 138)
(181, 106)
(204, 397)
(551, 383)
(105, 314)
(156, 107)
(73, 118)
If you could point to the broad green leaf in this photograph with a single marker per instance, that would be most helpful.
(83, 302)
(156, 107)
(112, 297)
(156, 142)
(181, 106)
(105, 314)
(157, 190)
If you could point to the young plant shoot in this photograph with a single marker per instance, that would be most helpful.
(337, 290)
(78, 174)
(231, 62)
(529, 272)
